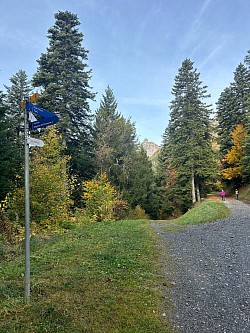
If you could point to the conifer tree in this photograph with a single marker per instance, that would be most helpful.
(19, 89)
(233, 107)
(115, 140)
(104, 131)
(226, 118)
(187, 152)
(63, 77)
(15, 93)
(8, 151)
(117, 154)
(246, 160)
(140, 188)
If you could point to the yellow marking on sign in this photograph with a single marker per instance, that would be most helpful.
(34, 97)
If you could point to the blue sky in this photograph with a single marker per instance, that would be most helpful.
(135, 47)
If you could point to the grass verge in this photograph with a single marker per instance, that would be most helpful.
(97, 278)
(244, 193)
(207, 211)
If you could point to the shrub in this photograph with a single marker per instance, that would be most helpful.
(100, 198)
(120, 208)
(50, 186)
(137, 214)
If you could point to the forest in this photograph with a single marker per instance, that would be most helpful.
(92, 166)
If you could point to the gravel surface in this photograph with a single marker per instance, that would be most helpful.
(211, 275)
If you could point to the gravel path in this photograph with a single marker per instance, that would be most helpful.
(211, 275)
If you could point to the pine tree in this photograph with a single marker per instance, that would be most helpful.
(63, 76)
(169, 203)
(108, 107)
(8, 151)
(225, 116)
(140, 189)
(115, 141)
(232, 107)
(246, 160)
(104, 131)
(19, 89)
(242, 91)
(117, 154)
(187, 152)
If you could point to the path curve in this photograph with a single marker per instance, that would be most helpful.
(211, 288)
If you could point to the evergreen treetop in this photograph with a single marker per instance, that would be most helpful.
(64, 77)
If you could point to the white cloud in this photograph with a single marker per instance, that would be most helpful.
(192, 32)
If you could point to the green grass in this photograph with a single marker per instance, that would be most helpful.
(96, 278)
(207, 211)
(244, 193)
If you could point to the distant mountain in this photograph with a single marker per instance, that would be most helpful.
(150, 147)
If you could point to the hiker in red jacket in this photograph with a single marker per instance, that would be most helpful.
(223, 194)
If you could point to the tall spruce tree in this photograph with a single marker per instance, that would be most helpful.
(8, 150)
(63, 77)
(187, 151)
(233, 107)
(19, 89)
(140, 188)
(104, 131)
(168, 201)
(246, 160)
(115, 140)
(117, 154)
(226, 118)
(15, 93)
(246, 143)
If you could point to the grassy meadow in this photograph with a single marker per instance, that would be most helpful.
(95, 278)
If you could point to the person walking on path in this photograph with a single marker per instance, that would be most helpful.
(223, 194)
(236, 194)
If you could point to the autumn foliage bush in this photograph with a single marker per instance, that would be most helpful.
(50, 186)
(233, 158)
(137, 213)
(102, 202)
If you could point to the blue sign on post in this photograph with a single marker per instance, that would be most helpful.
(48, 118)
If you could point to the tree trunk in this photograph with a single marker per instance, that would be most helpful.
(193, 186)
(198, 193)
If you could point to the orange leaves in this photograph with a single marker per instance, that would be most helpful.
(234, 157)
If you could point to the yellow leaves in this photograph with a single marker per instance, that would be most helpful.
(100, 198)
(232, 173)
(234, 157)
(50, 186)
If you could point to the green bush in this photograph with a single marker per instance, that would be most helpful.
(102, 201)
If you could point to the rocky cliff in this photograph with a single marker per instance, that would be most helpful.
(150, 147)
